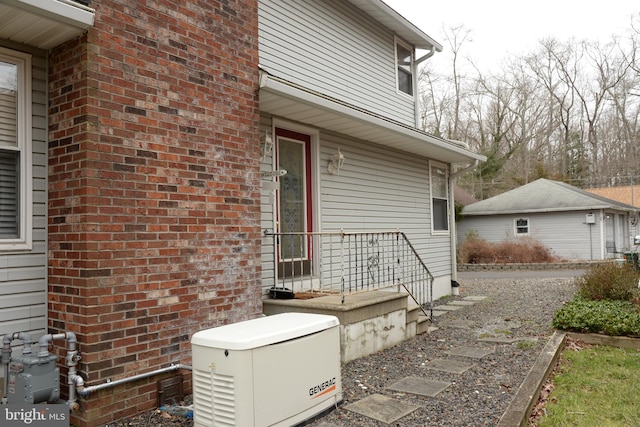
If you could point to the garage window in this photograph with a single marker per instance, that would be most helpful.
(522, 226)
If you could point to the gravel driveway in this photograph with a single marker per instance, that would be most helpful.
(515, 307)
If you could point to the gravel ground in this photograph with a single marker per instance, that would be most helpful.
(514, 308)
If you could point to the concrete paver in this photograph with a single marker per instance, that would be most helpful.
(419, 386)
(474, 298)
(381, 408)
(463, 303)
(437, 313)
(448, 307)
(504, 340)
(448, 365)
(473, 352)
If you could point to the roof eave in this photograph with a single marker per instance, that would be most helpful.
(391, 19)
(546, 210)
(287, 100)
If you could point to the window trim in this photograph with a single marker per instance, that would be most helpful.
(444, 167)
(400, 42)
(515, 227)
(24, 148)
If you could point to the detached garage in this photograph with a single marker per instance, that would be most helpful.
(574, 224)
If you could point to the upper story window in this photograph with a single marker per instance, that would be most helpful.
(15, 150)
(404, 67)
(522, 226)
(439, 198)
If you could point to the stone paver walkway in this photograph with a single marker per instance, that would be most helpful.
(389, 410)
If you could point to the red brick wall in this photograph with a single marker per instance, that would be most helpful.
(153, 188)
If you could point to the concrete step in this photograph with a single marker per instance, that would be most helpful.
(413, 311)
(424, 324)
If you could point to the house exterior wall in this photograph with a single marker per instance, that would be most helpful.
(378, 189)
(335, 49)
(566, 234)
(154, 216)
(23, 274)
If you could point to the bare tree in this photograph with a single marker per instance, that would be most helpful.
(568, 110)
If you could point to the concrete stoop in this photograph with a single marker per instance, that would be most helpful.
(369, 321)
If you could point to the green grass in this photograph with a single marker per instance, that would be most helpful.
(595, 387)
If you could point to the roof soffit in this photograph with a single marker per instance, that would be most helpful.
(44, 23)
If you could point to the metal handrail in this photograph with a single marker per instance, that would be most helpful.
(350, 262)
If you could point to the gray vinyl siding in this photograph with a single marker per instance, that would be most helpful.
(377, 190)
(23, 274)
(267, 204)
(333, 48)
(565, 234)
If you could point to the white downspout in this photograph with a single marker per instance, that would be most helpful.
(468, 168)
(416, 99)
(603, 219)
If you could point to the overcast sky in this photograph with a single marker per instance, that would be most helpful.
(499, 27)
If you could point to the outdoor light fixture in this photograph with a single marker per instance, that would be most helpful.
(266, 144)
(336, 162)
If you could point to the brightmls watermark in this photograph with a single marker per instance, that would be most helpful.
(34, 415)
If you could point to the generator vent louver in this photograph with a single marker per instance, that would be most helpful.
(224, 397)
(215, 397)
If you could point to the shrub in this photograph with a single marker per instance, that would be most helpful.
(609, 281)
(475, 250)
(603, 316)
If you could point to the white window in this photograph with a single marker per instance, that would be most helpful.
(522, 226)
(439, 198)
(15, 150)
(404, 67)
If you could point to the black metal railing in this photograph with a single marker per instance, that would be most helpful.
(350, 262)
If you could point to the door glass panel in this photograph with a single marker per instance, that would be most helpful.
(293, 209)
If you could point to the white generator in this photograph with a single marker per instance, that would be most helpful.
(278, 370)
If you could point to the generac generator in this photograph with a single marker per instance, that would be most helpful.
(278, 370)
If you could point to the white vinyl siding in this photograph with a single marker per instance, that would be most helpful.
(23, 273)
(333, 48)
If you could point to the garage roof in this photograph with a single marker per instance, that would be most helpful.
(543, 195)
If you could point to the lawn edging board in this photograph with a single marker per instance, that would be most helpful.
(519, 410)
(517, 414)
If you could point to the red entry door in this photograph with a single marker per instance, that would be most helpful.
(294, 210)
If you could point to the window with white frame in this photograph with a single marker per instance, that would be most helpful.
(522, 226)
(15, 150)
(404, 67)
(439, 198)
